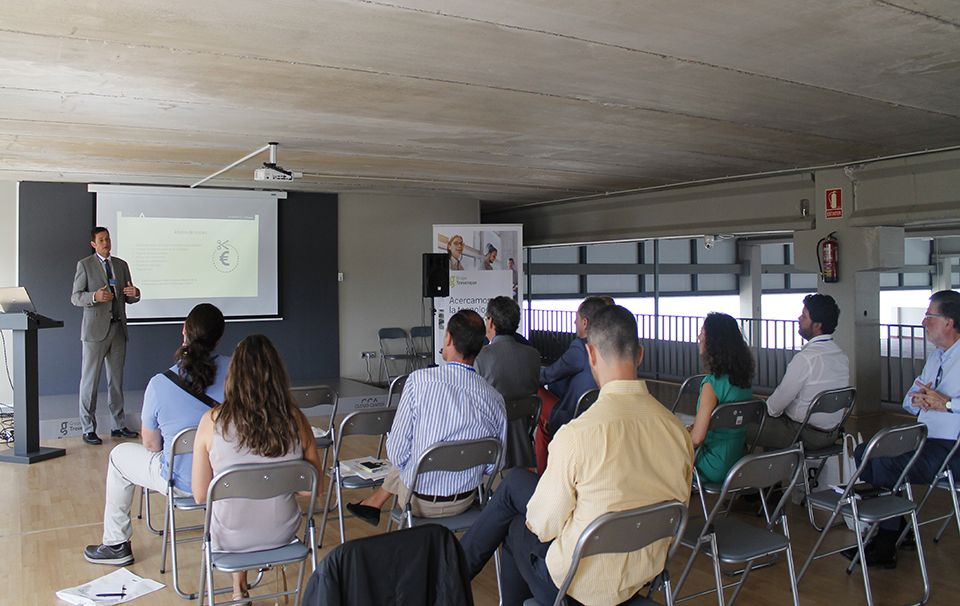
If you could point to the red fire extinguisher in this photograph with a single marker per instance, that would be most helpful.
(828, 257)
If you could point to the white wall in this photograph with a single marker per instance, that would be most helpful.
(8, 268)
(381, 240)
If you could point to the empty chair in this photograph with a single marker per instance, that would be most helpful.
(370, 422)
(396, 353)
(421, 338)
(585, 401)
(942, 480)
(522, 415)
(867, 513)
(728, 540)
(257, 482)
(691, 383)
(324, 400)
(623, 532)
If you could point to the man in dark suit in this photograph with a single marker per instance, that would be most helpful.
(511, 367)
(102, 286)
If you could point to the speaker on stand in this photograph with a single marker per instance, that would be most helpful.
(436, 283)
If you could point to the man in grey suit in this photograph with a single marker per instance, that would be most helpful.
(511, 367)
(102, 286)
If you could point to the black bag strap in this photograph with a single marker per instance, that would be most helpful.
(175, 378)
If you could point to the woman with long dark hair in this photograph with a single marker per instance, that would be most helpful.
(729, 365)
(258, 422)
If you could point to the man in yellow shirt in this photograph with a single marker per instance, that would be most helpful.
(625, 451)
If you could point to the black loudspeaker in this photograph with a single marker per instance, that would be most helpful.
(436, 275)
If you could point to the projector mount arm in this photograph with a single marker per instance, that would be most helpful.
(272, 163)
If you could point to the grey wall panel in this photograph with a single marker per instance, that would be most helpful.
(55, 219)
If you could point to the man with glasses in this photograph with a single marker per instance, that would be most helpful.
(935, 399)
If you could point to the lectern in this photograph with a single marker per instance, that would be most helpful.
(26, 392)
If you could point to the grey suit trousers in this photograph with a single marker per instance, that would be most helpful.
(110, 352)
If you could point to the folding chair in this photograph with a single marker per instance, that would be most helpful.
(326, 399)
(623, 532)
(942, 480)
(830, 401)
(869, 512)
(451, 456)
(370, 422)
(396, 353)
(735, 415)
(692, 381)
(585, 401)
(522, 415)
(421, 338)
(182, 444)
(732, 541)
(260, 481)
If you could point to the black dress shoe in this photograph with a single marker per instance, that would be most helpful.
(92, 438)
(370, 515)
(123, 432)
(878, 555)
(115, 555)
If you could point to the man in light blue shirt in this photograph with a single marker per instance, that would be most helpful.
(935, 399)
(441, 404)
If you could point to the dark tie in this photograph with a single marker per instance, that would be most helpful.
(115, 304)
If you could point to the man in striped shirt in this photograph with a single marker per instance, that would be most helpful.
(442, 404)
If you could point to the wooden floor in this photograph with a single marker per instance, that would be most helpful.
(49, 511)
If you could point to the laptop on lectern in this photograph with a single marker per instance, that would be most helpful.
(15, 299)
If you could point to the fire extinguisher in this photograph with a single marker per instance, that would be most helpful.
(828, 258)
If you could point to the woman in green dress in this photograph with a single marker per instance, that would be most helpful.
(729, 367)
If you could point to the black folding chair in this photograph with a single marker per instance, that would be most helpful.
(692, 382)
(522, 415)
(585, 401)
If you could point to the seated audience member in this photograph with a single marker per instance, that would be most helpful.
(568, 378)
(168, 408)
(625, 451)
(819, 366)
(258, 422)
(729, 367)
(440, 404)
(935, 399)
(510, 367)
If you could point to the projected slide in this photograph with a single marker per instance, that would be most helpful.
(192, 258)
(188, 246)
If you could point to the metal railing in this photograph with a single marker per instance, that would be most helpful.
(671, 353)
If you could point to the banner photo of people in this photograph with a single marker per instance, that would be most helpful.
(485, 262)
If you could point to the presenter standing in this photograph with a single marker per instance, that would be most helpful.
(103, 287)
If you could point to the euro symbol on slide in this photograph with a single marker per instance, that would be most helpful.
(223, 257)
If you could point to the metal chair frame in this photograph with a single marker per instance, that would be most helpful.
(585, 401)
(327, 399)
(733, 415)
(691, 380)
(421, 336)
(942, 480)
(828, 401)
(260, 481)
(527, 407)
(369, 422)
(406, 357)
(626, 531)
(719, 535)
(889, 442)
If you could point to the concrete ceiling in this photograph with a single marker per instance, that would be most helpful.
(503, 101)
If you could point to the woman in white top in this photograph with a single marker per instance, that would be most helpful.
(258, 422)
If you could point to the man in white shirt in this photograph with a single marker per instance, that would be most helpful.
(819, 366)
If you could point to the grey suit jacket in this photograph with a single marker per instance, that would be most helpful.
(511, 368)
(90, 278)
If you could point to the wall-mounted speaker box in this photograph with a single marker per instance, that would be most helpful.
(436, 275)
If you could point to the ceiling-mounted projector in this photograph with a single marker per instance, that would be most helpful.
(271, 171)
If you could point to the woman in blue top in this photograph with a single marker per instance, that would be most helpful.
(729, 367)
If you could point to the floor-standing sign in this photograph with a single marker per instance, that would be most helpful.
(486, 261)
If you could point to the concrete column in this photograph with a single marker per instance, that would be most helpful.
(750, 288)
(943, 278)
(864, 251)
